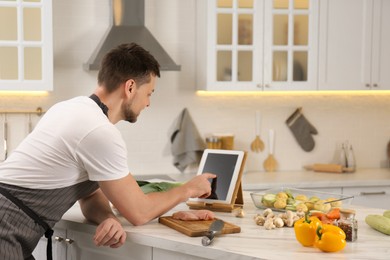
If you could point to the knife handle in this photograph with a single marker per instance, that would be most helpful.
(208, 239)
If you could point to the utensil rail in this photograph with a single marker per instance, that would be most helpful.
(39, 111)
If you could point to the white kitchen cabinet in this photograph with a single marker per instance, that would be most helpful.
(26, 48)
(373, 196)
(83, 248)
(252, 45)
(380, 62)
(75, 242)
(354, 45)
(161, 254)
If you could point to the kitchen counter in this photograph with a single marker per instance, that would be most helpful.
(305, 179)
(254, 242)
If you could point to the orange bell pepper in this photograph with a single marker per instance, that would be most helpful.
(305, 230)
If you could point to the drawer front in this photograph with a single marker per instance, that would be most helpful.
(373, 197)
(335, 190)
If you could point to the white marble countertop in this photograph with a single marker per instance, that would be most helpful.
(305, 179)
(254, 242)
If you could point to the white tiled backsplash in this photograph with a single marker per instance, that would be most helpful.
(364, 120)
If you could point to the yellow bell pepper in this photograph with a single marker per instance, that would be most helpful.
(330, 238)
(305, 230)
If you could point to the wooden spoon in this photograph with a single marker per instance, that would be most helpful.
(270, 164)
(257, 145)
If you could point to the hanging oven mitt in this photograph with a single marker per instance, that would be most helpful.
(302, 130)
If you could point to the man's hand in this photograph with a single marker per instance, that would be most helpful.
(200, 186)
(110, 233)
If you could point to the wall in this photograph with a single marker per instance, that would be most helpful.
(364, 120)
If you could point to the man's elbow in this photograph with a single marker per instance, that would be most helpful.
(138, 220)
(139, 223)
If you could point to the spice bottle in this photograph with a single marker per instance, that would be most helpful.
(213, 142)
(348, 223)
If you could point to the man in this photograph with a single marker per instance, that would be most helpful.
(75, 153)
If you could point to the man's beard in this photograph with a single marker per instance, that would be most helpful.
(129, 115)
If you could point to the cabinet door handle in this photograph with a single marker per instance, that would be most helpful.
(69, 241)
(364, 193)
(375, 85)
(367, 85)
(59, 239)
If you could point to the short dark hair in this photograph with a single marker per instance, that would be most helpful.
(127, 61)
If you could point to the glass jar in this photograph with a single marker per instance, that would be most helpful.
(348, 223)
(213, 142)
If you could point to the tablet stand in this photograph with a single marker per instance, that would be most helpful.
(237, 198)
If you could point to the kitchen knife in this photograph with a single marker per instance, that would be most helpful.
(215, 228)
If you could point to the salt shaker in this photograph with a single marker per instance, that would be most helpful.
(348, 224)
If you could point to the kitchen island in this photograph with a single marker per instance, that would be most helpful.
(156, 241)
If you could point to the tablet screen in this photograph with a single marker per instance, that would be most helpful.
(223, 166)
(226, 165)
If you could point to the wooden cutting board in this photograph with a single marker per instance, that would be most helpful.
(196, 228)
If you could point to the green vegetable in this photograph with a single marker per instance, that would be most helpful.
(291, 207)
(379, 223)
(142, 183)
(290, 201)
(289, 194)
(268, 200)
(158, 186)
(386, 213)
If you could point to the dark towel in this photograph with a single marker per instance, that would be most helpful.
(187, 145)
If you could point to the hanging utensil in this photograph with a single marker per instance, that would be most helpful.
(30, 124)
(270, 164)
(257, 145)
(214, 229)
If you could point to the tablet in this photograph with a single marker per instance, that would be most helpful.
(226, 164)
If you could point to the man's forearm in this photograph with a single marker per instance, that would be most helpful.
(96, 207)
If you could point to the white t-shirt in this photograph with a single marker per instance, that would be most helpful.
(73, 142)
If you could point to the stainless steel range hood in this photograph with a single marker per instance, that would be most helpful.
(128, 25)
